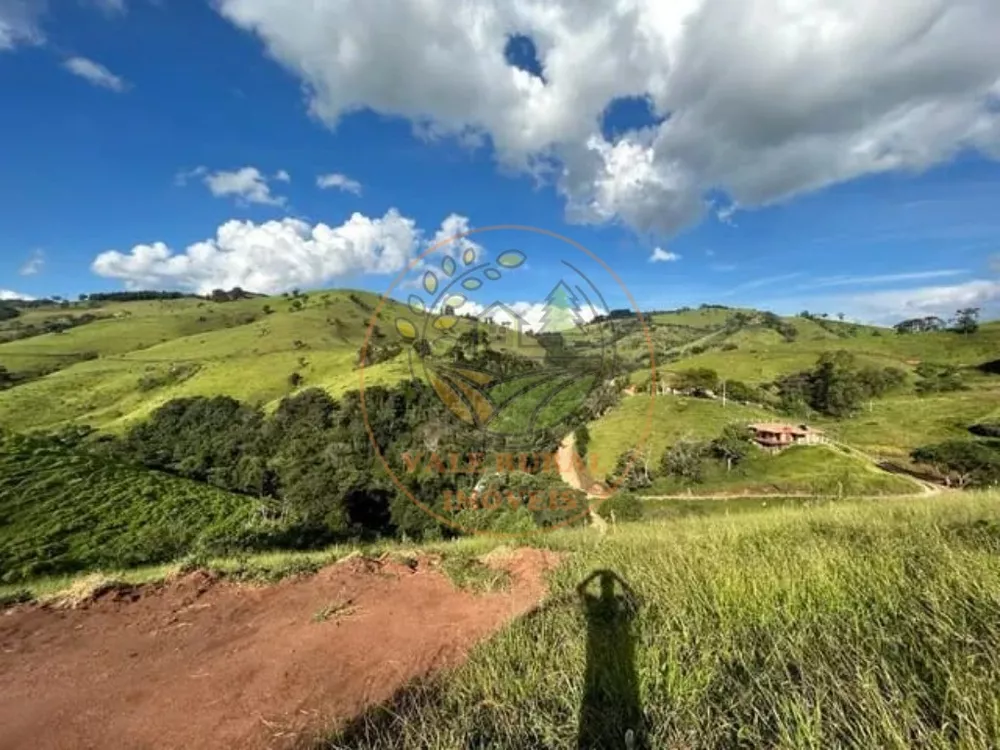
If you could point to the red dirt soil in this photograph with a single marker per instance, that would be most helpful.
(202, 663)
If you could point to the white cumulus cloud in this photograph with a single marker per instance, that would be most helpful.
(34, 264)
(9, 294)
(339, 182)
(246, 184)
(663, 256)
(897, 304)
(95, 73)
(19, 23)
(756, 100)
(269, 257)
(450, 240)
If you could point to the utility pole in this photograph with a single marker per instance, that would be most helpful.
(723, 394)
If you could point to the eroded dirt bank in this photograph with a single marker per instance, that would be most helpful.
(202, 663)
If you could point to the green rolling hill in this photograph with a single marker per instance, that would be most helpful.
(63, 511)
(136, 356)
(114, 368)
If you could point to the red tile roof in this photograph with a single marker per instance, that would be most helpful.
(778, 428)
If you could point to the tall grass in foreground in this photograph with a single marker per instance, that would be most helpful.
(848, 625)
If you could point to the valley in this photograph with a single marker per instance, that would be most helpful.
(206, 465)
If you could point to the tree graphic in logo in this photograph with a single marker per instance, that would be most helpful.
(562, 310)
(491, 369)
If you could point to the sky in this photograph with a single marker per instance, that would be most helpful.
(829, 155)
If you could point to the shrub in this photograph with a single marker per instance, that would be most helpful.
(986, 429)
(700, 378)
(685, 460)
(624, 506)
(631, 470)
(964, 462)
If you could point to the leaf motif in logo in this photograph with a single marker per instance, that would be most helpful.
(492, 274)
(451, 398)
(476, 402)
(406, 329)
(482, 378)
(448, 265)
(469, 256)
(511, 258)
(430, 282)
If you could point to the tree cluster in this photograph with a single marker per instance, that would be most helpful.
(233, 295)
(311, 463)
(776, 323)
(966, 320)
(686, 461)
(135, 296)
(837, 385)
(963, 463)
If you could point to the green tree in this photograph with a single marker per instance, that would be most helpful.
(966, 320)
(733, 446)
(422, 347)
(631, 470)
(836, 388)
(582, 440)
(685, 460)
(703, 378)
(963, 462)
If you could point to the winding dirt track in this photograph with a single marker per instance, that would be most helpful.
(203, 664)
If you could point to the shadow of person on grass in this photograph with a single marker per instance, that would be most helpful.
(611, 715)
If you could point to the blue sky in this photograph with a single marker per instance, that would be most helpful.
(129, 123)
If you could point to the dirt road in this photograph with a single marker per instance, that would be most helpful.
(575, 475)
(200, 663)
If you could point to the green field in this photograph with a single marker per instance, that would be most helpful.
(846, 625)
(231, 348)
(656, 422)
(887, 427)
(801, 469)
(63, 511)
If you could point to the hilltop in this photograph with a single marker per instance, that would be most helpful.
(110, 363)
(126, 358)
(948, 379)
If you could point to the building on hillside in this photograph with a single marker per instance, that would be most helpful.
(515, 327)
(776, 435)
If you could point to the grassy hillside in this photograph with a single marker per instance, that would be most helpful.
(135, 356)
(119, 328)
(888, 427)
(846, 625)
(802, 469)
(673, 417)
(761, 355)
(147, 353)
(63, 511)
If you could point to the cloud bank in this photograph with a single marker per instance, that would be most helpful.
(276, 255)
(757, 101)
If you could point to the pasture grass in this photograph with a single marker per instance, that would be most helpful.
(801, 469)
(845, 625)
